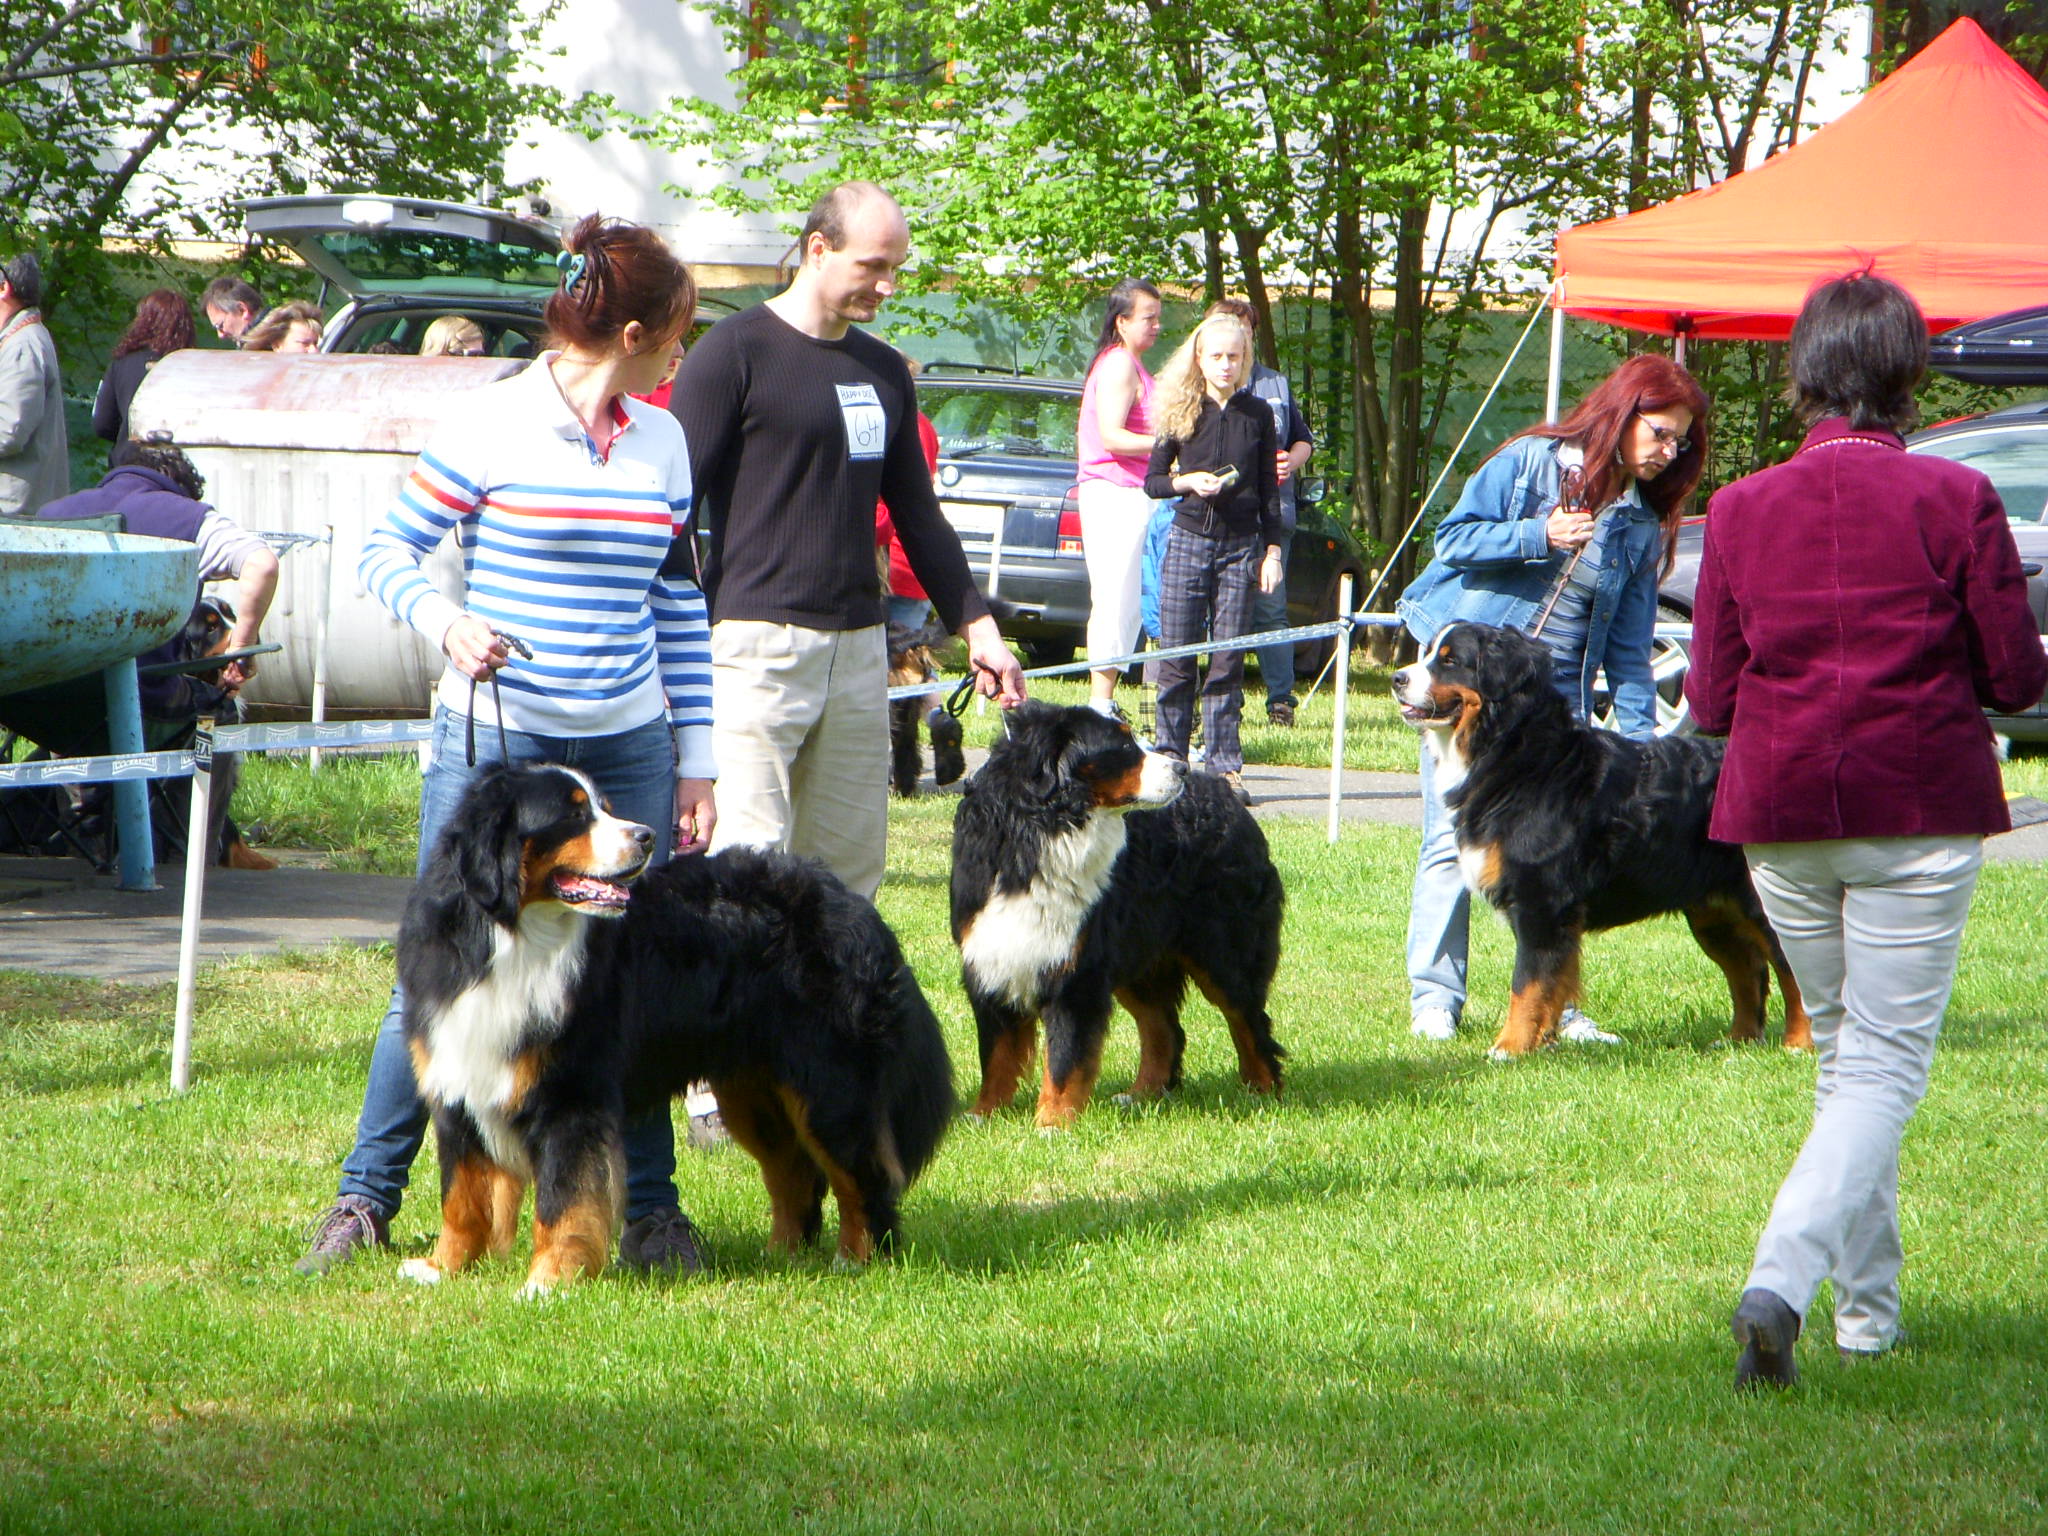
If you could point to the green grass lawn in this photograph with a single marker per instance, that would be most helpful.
(1420, 1293)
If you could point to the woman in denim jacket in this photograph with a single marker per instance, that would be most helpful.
(1516, 548)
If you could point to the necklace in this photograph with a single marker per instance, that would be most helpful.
(1875, 442)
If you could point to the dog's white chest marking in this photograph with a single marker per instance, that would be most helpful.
(1020, 936)
(1472, 865)
(1451, 766)
(474, 1041)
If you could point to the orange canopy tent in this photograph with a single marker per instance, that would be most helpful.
(1936, 179)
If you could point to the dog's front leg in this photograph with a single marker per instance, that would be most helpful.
(479, 1202)
(1546, 983)
(1076, 1021)
(578, 1191)
(1008, 1038)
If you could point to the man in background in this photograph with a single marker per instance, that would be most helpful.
(35, 455)
(231, 306)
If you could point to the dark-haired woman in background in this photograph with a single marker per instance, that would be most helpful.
(1516, 547)
(1858, 608)
(565, 495)
(162, 324)
(1114, 441)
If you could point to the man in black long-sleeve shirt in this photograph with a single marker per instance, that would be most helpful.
(797, 423)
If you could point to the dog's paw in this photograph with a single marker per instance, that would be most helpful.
(421, 1272)
(842, 1264)
(1499, 1053)
(535, 1290)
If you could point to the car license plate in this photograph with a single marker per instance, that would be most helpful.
(974, 519)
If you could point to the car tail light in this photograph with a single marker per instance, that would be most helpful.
(1070, 526)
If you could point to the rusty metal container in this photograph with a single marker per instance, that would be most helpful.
(301, 444)
(73, 601)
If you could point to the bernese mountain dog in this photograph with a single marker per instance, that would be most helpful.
(554, 985)
(1087, 869)
(1568, 829)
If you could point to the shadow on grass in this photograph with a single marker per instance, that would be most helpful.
(649, 1415)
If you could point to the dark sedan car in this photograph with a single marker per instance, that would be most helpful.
(2010, 446)
(1006, 483)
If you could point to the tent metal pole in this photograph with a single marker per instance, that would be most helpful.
(1553, 385)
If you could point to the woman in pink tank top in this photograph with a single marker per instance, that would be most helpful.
(1114, 441)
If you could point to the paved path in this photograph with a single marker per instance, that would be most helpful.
(56, 915)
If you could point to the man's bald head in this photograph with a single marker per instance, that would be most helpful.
(851, 203)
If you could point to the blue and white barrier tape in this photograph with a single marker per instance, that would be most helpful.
(226, 738)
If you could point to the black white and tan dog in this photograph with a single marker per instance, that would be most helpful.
(1087, 869)
(1569, 829)
(552, 989)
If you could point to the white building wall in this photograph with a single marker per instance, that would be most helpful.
(643, 53)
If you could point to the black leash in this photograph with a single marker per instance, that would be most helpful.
(956, 701)
(524, 652)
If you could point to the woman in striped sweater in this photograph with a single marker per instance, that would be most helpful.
(568, 499)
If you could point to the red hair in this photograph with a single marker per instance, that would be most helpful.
(162, 323)
(1645, 383)
(614, 272)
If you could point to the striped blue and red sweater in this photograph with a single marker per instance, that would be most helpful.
(562, 547)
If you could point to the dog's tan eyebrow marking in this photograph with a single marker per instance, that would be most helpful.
(577, 797)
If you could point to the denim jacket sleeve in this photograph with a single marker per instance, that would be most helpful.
(1491, 524)
(1626, 657)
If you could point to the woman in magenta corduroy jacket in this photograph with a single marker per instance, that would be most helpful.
(1858, 608)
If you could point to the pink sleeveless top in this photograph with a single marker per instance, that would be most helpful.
(1097, 463)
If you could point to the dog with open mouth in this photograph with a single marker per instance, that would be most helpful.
(555, 985)
(1568, 829)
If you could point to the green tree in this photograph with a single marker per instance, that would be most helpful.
(405, 96)
(1389, 166)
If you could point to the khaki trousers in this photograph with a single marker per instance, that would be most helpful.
(801, 731)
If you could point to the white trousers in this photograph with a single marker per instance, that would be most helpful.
(800, 725)
(1871, 927)
(1113, 523)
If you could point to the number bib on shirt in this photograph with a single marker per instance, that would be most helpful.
(867, 427)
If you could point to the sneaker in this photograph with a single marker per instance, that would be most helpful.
(1864, 1356)
(1765, 1327)
(1280, 712)
(1236, 782)
(1109, 709)
(1434, 1024)
(949, 761)
(352, 1222)
(707, 1125)
(665, 1242)
(1574, 1026)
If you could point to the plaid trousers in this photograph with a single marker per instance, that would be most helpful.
(1205, 586)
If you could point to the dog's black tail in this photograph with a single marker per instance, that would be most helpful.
(918, 1090)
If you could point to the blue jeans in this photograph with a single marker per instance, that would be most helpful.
(1440, 912)
(636, 771)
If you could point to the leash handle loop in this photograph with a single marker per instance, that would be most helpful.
(517, 647)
